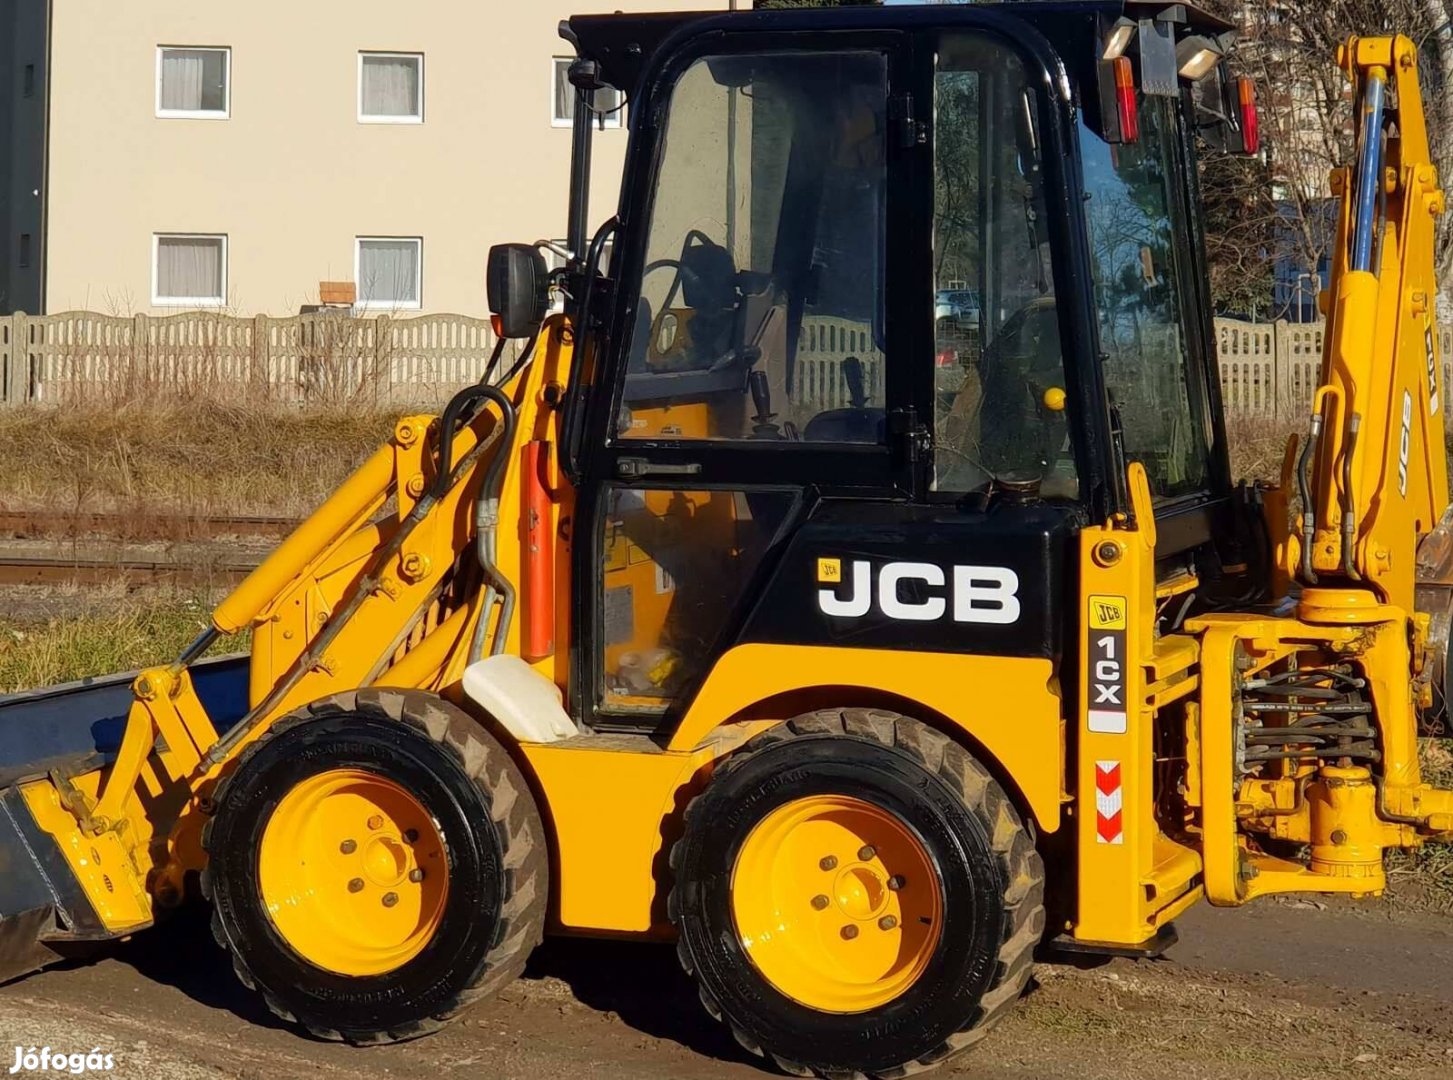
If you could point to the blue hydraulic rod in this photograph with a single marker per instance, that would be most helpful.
(1369, 170)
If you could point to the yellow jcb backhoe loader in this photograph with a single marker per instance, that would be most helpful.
(847, 582)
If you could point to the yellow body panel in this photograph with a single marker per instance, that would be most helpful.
(612, 805)
(1131, 878)
(1009, 706)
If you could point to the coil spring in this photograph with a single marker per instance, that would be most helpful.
(1304, 714)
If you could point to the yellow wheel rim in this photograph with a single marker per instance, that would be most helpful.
(353, 872)
(837, 903)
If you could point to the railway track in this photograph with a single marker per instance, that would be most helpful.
(28, 570)
(46, 524)
(133, 528)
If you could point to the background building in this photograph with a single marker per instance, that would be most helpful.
(233, 156)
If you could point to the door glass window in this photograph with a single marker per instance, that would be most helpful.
(1129, 192)
(676, 565)
(760, 314)
(998, 368)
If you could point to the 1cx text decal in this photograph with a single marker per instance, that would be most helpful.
(1107, 665)
(978, 594)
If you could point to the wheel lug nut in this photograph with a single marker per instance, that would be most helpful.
(416, 875)
(375, 822)
(828, 862)
(896, 882)
(887, 922)
(866, 852)
(411, 835)
(356, 885)
(348, 847)
(390, 899)
(849, 932)
(819, 902)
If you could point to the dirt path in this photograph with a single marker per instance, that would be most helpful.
(1275, 991)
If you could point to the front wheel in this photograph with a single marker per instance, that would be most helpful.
(855, 895)
(376, 863)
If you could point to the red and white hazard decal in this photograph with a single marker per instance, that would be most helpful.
(1109, 823)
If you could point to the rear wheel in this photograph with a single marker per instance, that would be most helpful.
(376, 863)
(856, 896)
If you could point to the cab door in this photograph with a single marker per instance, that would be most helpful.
(750, 368)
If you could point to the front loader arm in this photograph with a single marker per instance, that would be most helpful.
(1374, 473)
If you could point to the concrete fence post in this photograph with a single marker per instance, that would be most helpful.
(140, 351)
(261, 344)
(17, 362)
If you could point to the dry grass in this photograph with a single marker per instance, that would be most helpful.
(1256, 447)
(1423, 877)
(109, 632)
(200, 458)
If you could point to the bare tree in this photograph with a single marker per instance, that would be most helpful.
(1288, 46)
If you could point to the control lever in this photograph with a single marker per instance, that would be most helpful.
(762, 425)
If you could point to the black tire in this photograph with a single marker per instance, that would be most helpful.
(494, 913)
(990, 874)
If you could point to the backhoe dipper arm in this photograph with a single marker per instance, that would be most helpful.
(1375, 475)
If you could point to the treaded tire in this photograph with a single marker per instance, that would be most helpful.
(990, 873)
(493, 917)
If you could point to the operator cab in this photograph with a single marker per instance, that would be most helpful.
(886, 284)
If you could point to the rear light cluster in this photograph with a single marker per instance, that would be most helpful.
(1126, 108)
(1250, 120)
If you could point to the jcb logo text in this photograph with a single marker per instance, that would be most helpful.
(910, 591)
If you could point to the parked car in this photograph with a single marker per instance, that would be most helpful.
(960, 304)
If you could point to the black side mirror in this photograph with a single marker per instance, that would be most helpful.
(517, 283)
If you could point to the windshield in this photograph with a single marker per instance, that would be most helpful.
(760, 310)
(1132, 209)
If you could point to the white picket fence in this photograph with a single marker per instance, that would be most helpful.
(1268, 370)
(83, 356)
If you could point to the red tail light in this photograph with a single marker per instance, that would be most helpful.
(1125, 105)
(947, 358)
(1250, 120)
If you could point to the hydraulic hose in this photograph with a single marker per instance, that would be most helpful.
(447, 476)
(1349, 520)
(1304, 490)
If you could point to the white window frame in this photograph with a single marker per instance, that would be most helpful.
(157, 300)
(612, 119)
(364, 118)
(197, 114)
(389, 305)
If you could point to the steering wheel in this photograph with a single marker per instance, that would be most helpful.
(668, 264)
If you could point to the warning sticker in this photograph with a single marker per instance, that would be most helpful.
(1107, 617)
(1109, 803)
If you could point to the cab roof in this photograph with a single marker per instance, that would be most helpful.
(624, 44)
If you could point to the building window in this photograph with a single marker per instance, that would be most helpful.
(609, 103)
(188, 270)
(193, 83)
(389, 271)
(390, 88)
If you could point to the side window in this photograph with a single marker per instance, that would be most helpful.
(998, 368)
(676, 566)
(1129, 199)
(760, 313)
